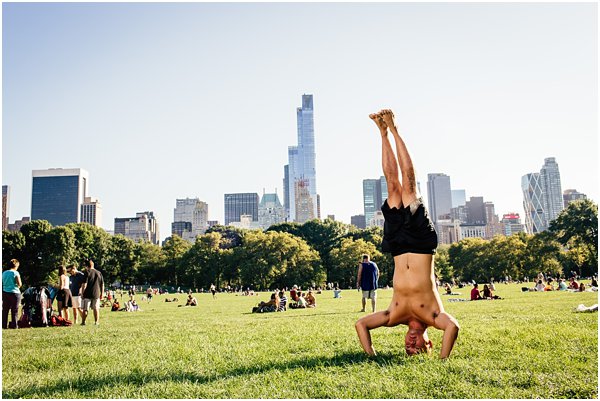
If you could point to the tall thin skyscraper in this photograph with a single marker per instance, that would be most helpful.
(553, 200)
(5, 206)
(542, 196)
(57, 195)
(533, 203)
(240, 204)
(302, 177)
(439, 194)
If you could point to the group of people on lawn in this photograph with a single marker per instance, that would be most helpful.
(279, 301)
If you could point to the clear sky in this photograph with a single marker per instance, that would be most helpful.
(166, 101)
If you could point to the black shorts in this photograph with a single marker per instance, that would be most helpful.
(404, 232)
(65, 297)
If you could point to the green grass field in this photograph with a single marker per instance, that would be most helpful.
(528, 345)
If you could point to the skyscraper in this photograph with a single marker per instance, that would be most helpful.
(553, 199)
(542, 196)
(57, 195)
(302, 178)
(358, 221)
(459, 197)
(270, 211)
(440, 195)
(143, 226)
(571, 195)
(240, 204)
(191, 211)
(374, 194)
(533, 203)
(5, 206)
(91, 211)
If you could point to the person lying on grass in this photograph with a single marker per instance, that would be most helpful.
(409, 235)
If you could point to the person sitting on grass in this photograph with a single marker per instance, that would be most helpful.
(191, 301)
(475, 294)
(581, 287)
(115, 306)
(448, 289)
(562, 286)
(282, 302)
(270, 306)
(549, 286)
(294, 293)
(574, 285)
(337, 293)
(311, 302)
(539, 286)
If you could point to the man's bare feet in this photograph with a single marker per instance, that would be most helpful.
(380, 123)
(388, 118)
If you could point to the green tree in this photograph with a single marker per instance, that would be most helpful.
(542, 254)
(202, 264)
(13, 246)
(91, 242)
(152, 262)
(468, 259)
(59, 245)
(443, 268)
(37, 262)
(346, 259)
(275, 259)
(124, 261)
(174, 248)
(577, 227)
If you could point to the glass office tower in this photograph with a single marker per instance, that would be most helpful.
(57, 195)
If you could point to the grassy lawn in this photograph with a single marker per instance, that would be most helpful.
(528, 345)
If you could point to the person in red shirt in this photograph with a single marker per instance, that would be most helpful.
(475, 295)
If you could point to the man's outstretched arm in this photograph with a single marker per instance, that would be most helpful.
(450, 326)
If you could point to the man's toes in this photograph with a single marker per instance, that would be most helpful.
(373, 116)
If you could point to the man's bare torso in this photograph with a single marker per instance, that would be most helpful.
(415, 295)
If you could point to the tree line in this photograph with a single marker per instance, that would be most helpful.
(306, 254)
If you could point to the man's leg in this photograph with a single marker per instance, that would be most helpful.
(373, 301)
(367, 323)
(74, 315)
(97, 314)
(409, 182)
(389, 164)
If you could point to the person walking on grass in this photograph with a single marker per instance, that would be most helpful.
(213, 290)
(366, 280)
(11, 294)
(93, 288)
(409, 235)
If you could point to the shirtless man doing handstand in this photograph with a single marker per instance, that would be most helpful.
(409, 235)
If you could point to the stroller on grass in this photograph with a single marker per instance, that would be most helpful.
(37, 307)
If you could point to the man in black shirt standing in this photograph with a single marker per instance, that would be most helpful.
(93, 288)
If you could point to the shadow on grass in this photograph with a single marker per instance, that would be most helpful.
(86, 386)
(289, 314)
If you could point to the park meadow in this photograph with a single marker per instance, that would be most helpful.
(526, 345)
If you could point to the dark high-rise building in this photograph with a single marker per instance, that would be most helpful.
(241, 204)
(57, 195)
(476, 213)
(5, 206)
(358, 221)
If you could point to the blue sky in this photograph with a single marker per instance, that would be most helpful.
(165, 101)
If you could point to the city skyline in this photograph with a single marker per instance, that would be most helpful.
(155, 111)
